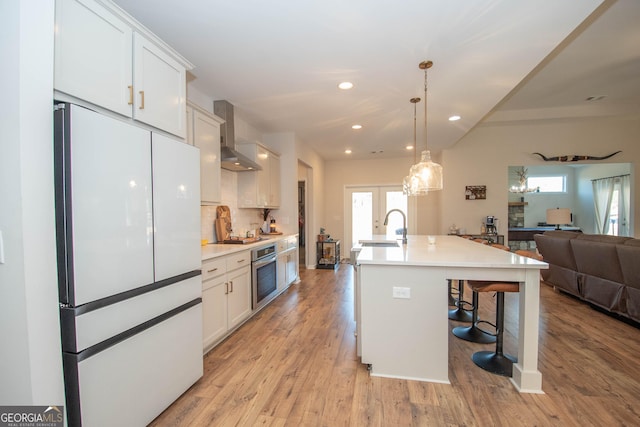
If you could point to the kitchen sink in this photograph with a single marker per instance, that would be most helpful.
(380, 244)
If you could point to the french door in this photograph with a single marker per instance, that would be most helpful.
(365, 210)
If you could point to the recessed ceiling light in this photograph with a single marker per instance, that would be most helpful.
(345, 85)
(356, 127)
(454, 118)
(409, 147)
(347, 151)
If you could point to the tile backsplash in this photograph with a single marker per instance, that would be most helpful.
(242, 220)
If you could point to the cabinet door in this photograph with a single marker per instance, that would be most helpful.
(159, 86)
(239, 297)
(292, 266)
(206, 136)
(189, 125)
(263, 181)
(214, 310)
(176, 207)
(281, 273)
(93, 55)
(274, 180)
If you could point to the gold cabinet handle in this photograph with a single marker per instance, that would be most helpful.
(142, 100)
(240, 260)
(231, 281)
(226, 288)
(130, 95)
(212, 270)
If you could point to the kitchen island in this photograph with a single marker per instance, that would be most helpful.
(401, 305)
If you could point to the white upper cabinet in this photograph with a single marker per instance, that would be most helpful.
(93, 55)
(203, 131)
(159, 87)
(105, 57)
(259, 189)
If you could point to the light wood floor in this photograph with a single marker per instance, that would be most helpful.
(294, 364)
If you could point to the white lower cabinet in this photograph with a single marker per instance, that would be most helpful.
(287, 262)
(226, 295)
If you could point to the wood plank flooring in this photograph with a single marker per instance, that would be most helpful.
(295, 364)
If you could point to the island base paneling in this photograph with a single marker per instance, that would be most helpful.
(404, 337)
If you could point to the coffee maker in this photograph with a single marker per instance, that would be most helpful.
(491, 225)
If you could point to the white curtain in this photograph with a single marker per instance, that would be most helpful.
(602, 193)
(624, 205)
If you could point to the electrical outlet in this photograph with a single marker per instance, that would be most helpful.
(401, 292)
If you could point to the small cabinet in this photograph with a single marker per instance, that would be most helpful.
(203, 131)
(328, 254)
(226, 295)
(105, 57)
(287, 262)
(259, 189)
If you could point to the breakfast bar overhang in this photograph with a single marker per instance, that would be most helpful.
(401, 305)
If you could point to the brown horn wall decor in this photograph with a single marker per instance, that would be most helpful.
(574, 158)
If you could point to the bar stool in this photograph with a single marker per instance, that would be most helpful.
(459, 313)
(496, 362)
(473, 333)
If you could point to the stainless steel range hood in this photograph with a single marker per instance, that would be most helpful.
(230, 158)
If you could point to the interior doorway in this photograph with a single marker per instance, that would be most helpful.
(301, 222)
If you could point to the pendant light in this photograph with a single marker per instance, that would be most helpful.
(408, 186)
(427, 175)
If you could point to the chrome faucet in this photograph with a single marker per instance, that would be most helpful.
(404, 224)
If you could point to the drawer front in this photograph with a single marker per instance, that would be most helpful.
(238, 260)
(213, 267)
(282, 245)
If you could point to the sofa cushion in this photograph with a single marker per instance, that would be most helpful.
(632, 242)
(597, 259)
(556, 250)
(629, 257)
(562, 234)
(603, 238)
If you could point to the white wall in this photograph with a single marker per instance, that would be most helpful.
(484, 155)
(30, 352)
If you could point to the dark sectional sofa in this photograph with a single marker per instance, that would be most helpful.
(603, 270)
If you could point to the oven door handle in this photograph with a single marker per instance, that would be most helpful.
(264, 261)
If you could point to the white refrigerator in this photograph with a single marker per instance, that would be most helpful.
(128, 244)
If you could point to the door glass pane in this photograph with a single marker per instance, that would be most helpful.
(395, 200)
(361, 215)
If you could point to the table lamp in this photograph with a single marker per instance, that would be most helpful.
(558, 216)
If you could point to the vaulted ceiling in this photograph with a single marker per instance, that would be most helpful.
(279, 63)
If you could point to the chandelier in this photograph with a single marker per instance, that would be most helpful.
(426, 175)
(522, 183)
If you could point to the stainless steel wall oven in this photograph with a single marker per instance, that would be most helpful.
(263, 275)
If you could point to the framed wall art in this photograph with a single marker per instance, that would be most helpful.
(475, 192)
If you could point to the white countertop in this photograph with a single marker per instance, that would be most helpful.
(214, 250)
(448, 251)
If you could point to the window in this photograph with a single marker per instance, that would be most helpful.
(548, 184)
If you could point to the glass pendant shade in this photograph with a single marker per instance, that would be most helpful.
(425, 176)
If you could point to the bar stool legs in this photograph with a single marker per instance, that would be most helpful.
(496, 362)
(452, 300)
(459, 313)
(473, 333)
